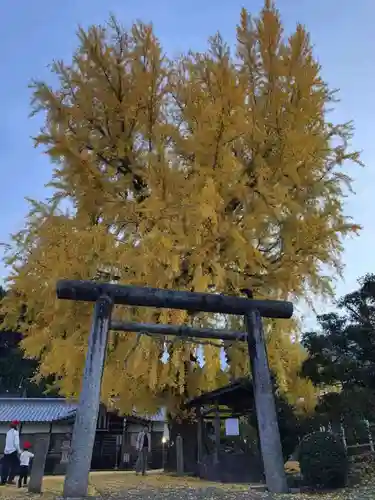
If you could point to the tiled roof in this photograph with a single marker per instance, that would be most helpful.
(35, 409)
(50, 410)
(160, 416)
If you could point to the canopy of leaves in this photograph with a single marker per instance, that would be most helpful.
(343, 353)
(212, 172)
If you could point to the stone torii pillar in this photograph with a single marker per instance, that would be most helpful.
(80, 455)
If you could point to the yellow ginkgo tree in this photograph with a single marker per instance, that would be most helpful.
(216, 171)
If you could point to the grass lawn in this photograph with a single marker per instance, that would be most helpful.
(158, 486)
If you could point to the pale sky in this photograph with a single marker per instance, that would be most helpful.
(35, 33)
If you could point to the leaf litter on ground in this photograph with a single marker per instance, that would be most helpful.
(125, 486)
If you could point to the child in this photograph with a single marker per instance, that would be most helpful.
(25, 458)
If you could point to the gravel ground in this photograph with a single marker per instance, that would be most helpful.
(186, 494)
(129, 487)
(124, 486)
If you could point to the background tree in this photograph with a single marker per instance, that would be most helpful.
(16, 371)
(343, 352)
(206, 173)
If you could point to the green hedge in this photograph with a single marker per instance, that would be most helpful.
(323, 460)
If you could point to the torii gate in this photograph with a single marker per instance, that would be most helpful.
(105, 296)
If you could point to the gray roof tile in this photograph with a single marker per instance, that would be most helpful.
(160, 416)
(50, 409)
(35, 409)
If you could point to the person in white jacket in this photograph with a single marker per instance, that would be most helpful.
(12, 451)
(143, 447)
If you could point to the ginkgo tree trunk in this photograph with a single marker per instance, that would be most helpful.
(216, 171)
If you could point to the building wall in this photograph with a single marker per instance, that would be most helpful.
(112, 448)
(39, 428)
(30, 431)
(47, 428)
(156, 429)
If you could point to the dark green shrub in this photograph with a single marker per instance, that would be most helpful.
(323, 460)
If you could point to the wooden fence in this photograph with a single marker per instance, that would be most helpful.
(357, 442)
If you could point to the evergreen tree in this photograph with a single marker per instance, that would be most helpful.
(212, 172)
(16, 371)
(342, 353)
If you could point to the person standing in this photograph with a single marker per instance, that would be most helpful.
(25, 458)
(143, 447)
(11, 453)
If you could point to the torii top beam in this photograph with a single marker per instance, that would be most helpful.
(90, 291)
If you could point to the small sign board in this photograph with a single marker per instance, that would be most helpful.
(232, 427)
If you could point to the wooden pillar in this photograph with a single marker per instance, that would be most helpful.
(39, 462)
(343, 436)
(179, 455)
(124, 441)
(217, 434)
(80, 456)
(268, 427)
(370, 440)
(152, 444)
(199, 435)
